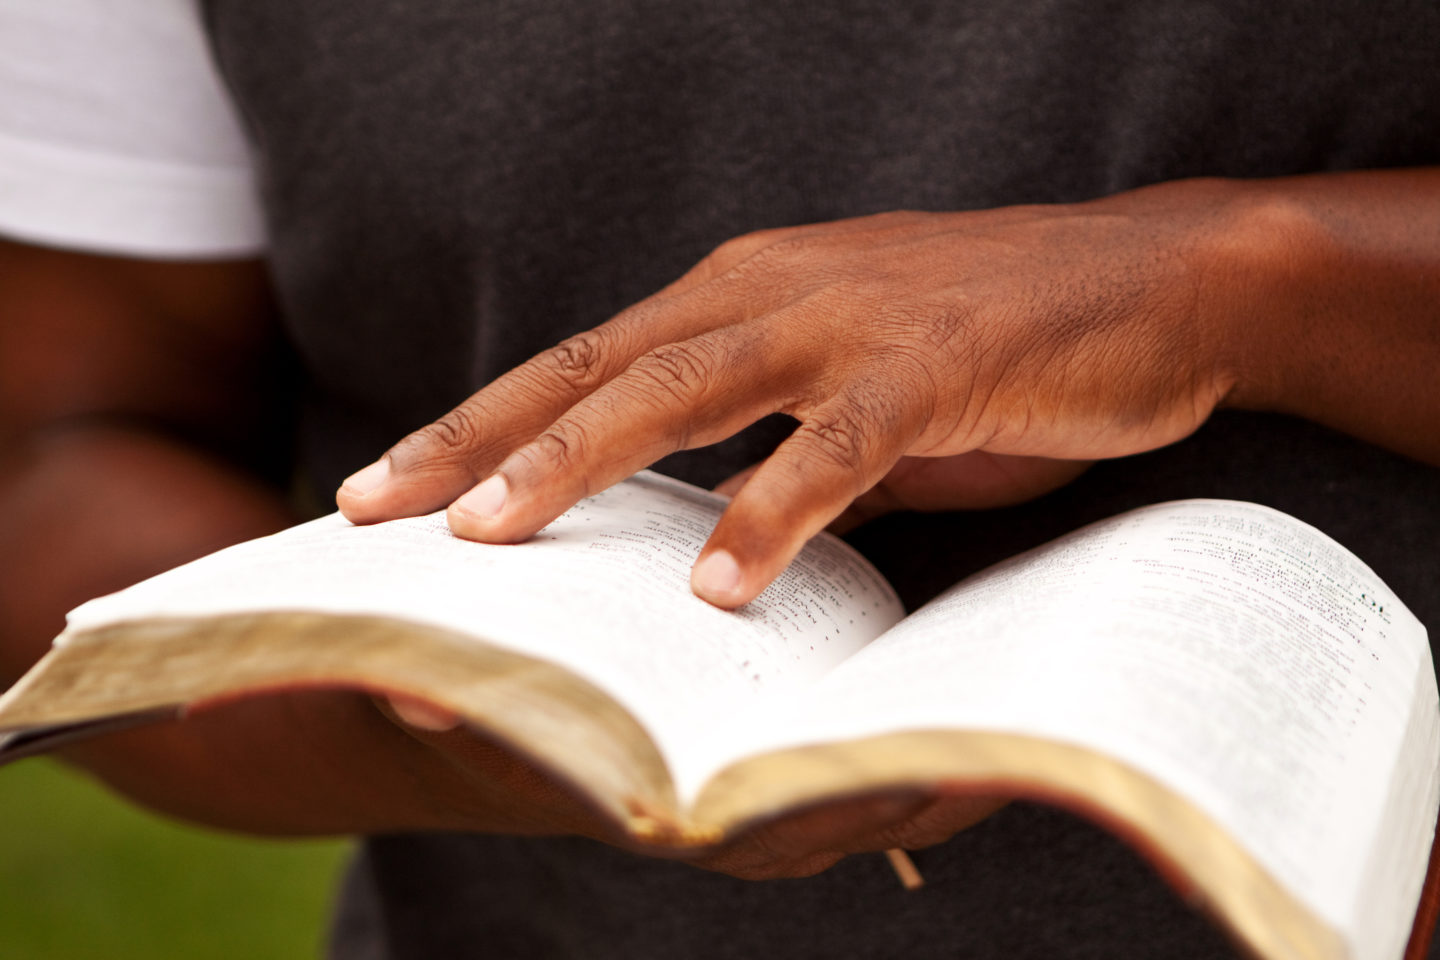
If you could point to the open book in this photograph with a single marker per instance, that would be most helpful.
(1218, 682)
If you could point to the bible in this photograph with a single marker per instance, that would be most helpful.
(1219, 683)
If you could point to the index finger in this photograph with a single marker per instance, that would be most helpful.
(432, 466)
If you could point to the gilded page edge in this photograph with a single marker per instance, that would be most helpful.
(550, 715)
(1202, 861)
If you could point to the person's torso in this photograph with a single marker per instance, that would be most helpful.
(453, 185)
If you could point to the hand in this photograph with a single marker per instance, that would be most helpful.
(808, 842)
(1063, 332)
(797, 845)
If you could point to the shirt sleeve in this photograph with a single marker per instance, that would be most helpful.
(116, 133)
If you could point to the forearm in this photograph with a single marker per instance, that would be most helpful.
(1332, 285)
(105, 365)
(89, 509)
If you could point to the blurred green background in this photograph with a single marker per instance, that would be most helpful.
(84, 875)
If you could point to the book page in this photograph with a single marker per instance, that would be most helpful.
(604, 590)
(1226, 650)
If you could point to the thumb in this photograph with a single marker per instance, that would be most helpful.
(421, 714)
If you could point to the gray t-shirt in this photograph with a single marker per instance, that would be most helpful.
(456, 184)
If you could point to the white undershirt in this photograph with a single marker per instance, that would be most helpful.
(116, 134)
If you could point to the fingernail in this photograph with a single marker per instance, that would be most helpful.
(716, 577)
(367, 480)
(424, 715)
(486, 500)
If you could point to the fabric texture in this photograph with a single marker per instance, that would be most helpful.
(452, 186)
(115, 134)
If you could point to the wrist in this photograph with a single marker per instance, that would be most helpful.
(1331, 281)
(1265, 267)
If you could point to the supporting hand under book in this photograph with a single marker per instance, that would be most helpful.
(799, 844)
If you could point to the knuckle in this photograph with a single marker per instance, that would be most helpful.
(746, 245)
(578, 361)
(782, 252)
(451, 437)
(558, 447)
(883, 403)
(563, 448)
(930, 328)
(760, 253)
(680, 370)
(835, 437)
